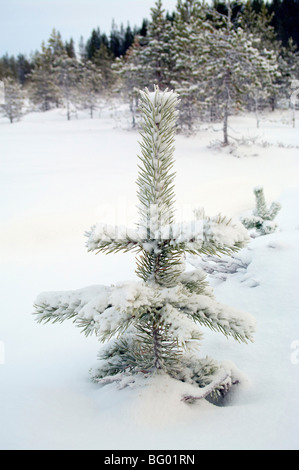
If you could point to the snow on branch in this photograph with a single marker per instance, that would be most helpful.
(227, 320)
(111, 239)
(82, 305)
(217, 383)
(108, 311)
(208, 236)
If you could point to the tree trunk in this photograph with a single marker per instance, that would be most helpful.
(68, 114)
(132, 109)
(256, 111)
(225, 123)
(157, 345)
(227, 82)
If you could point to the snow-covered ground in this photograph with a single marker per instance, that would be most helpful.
(60, 177)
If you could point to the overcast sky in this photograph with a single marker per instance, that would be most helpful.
(24, 24)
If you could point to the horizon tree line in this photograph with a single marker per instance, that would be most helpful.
(219, 59)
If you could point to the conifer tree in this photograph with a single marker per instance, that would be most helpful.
(55, 44)
(88, 87)
(55, 74)
(155, 55)
(153, 326)
(148, 60)
(186, 52)
(258, 25)
(232, 66)
(103, 60)
(65, 69)
(43, 85)
(131, 77)
(262, 219)
(13, 100)
(70, 48)
(288, 65)
(67, 76)
(93, 44)
(82, 50)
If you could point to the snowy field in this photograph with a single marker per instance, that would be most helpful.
(60, 177)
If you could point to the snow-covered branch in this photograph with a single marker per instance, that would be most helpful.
(208, 236)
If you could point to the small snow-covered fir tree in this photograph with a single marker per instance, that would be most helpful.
(263, 217)
(153, 325)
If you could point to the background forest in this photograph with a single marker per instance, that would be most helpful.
(219, 58)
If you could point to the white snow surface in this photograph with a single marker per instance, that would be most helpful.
(58, 178)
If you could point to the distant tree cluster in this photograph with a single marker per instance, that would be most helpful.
(117, 44)
(219, 58)
(113, 45)
(283, 14)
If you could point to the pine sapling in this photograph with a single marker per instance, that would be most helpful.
(263, 217)
(152, 326)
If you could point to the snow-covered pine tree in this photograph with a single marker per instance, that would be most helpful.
(131, 77)
(263, 217)
(186, 52)
(103, 60)
(231, 65)
(14, 100)
(288, 63)
(43, 84)
(148, 60)
(152, 326)
(55, 75)
(88, 86)
(258, 25)
(150, 56)
(67, 75)
(155, 55)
